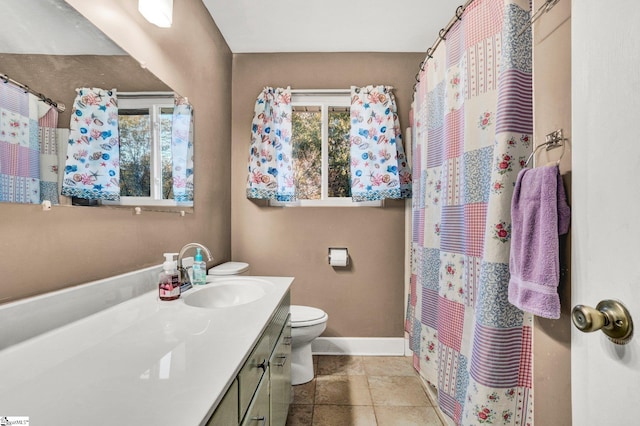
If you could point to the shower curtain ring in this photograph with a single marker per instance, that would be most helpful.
(459, 12)
(422, 65)
(417, 77)
(442, 33)
(429, 51)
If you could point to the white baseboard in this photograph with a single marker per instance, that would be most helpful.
(372, 346)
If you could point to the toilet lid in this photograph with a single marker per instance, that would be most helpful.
(229, 268)
(306, 316)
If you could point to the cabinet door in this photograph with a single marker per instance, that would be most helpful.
(227, 412)
(252, 372)
(280, 374)
(258, 412)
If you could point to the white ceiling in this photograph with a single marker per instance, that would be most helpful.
(248, 26)
(251, 26)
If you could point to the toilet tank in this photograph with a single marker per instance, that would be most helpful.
(230, 268)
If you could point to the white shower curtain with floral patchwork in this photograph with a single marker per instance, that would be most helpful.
(472, 125)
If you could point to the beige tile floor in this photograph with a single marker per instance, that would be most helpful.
(362, 391)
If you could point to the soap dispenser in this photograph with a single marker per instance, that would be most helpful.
(169, 279)
(199, 269)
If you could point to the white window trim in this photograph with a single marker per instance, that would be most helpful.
(142, 100)
(324, 100)
(329, 202)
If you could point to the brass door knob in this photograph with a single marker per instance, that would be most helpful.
(587, 319)
(610, 316)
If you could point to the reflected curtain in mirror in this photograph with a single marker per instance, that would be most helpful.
(182, 151)
(92, 169)
(47, 137)
(19, 148)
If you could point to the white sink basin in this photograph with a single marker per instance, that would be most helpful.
(228, 292)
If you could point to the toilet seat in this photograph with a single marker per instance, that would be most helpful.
(306, 316)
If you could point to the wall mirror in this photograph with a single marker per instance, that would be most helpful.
(51, 48)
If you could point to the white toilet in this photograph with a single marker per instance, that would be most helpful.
(307, 323)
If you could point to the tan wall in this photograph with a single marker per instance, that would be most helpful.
(552, 110)
(366, 300)
(57, 76)
(44, 251)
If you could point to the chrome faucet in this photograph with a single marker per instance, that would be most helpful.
(185, 281)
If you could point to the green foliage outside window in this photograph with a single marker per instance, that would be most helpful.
(307, 154)
(339, 154)
(135, 155)
(166, 119)
(136, 149)
(306, 143)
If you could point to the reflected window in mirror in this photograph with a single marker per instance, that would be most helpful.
(146, 155)
(75, 49)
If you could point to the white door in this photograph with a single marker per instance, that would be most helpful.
(605, 204)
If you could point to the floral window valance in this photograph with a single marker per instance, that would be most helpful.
(379, 168)
(270, 166)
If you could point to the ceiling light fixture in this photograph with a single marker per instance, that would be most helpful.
(158, 12)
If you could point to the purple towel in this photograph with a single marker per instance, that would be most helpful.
(539, 214)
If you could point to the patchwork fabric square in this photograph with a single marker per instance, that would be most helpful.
(450, 323)
(495, 359)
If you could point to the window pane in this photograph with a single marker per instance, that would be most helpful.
(339, 168)
(135, 152)
(166, 117)
(306, 142)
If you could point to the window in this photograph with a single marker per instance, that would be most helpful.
(320, 125)
(145, 150)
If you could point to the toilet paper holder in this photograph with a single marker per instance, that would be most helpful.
(340, 250)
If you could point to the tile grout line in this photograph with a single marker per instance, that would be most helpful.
(366, 373)
(345, 368)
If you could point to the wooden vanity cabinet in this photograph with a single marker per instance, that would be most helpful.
(262, 388)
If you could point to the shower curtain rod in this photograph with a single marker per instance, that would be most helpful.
(547, 6)
(57, 105)
(441, 36)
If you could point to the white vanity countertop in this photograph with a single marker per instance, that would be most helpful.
(142, 362)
